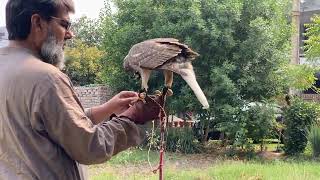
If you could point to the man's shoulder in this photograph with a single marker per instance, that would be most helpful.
(34, 69)
(37, 68)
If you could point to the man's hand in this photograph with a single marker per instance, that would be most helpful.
(121, 102)
(116, 105)
(141, 112)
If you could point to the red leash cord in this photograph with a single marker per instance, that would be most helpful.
(161, 161)
(162, 116)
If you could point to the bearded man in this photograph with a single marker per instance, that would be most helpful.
(44, 131)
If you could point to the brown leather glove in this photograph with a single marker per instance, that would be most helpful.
(142, 112)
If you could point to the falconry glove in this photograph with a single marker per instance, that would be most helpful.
(143, 111)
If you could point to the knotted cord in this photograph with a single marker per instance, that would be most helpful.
(162, 116)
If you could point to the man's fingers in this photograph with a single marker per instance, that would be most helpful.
(127, 94)
(130, 100)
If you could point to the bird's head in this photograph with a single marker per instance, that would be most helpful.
(127, 66)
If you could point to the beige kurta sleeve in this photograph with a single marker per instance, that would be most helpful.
(66, 124)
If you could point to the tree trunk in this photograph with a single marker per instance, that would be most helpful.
(206, 128)
(206, 132)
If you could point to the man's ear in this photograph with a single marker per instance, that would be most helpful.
(38, 25)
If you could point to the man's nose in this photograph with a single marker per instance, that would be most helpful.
(69, 35)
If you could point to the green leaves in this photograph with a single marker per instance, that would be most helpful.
(314, 139)
(88, 31)
(312, 44)
(243, 46)
(298, 119)
(300, 77)
(83, 63)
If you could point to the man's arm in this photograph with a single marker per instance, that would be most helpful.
(67, 125)
(116, 105)
(98, 114)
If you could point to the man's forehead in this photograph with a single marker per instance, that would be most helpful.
(64, 13)
(65, 8)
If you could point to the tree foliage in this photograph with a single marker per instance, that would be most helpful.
(302, 77)
(243, 46)
(83, 63)
(88, 31)
(312, 44)
(83, 53)
(298, 119)
(299, 76)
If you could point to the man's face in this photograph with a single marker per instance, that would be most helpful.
(57, 34)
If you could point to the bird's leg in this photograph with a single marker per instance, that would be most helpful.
(168, 78)
(145, 75)
(157, 92)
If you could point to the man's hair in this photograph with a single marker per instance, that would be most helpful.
(19, 12)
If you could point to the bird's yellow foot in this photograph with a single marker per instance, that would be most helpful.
(142, 96)
(169, 92)
(157, 93)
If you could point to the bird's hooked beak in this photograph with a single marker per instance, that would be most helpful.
(189, 76)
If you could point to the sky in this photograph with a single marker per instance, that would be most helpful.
(90, 8)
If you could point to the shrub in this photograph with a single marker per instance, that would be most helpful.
(254, 121)
(177, 140)
(182, 140)
(298, 119)
(260, 123)
(314, 139)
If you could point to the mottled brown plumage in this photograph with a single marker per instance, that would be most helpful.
(166, 54)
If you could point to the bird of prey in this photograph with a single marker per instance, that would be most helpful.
(168, 55)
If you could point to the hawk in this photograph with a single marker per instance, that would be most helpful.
(168, 55)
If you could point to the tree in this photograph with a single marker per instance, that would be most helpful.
(83, 63)
(87, 30)
(302, 77)
(243, 46)
(312, 44)
(83, 56)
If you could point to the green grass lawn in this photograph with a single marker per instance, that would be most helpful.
(133, 165)
(233, 170)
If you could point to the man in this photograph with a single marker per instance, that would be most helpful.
(44, 131)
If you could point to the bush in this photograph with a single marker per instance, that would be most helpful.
(314, 139)
(181, 140)
(298, 119)
(260, 123)
(253, 121)
(177, 140)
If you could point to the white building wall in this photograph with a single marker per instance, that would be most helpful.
(310, 5)
(3, 37)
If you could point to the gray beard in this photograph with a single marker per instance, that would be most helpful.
(52, 51)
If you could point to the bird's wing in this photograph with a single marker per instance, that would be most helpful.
(151, 54)
(173, 41)
(164, 40)
(189, 52)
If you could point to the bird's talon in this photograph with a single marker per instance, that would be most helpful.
(157, 93)
(143, 100)
(142, 95)
(169, 92)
